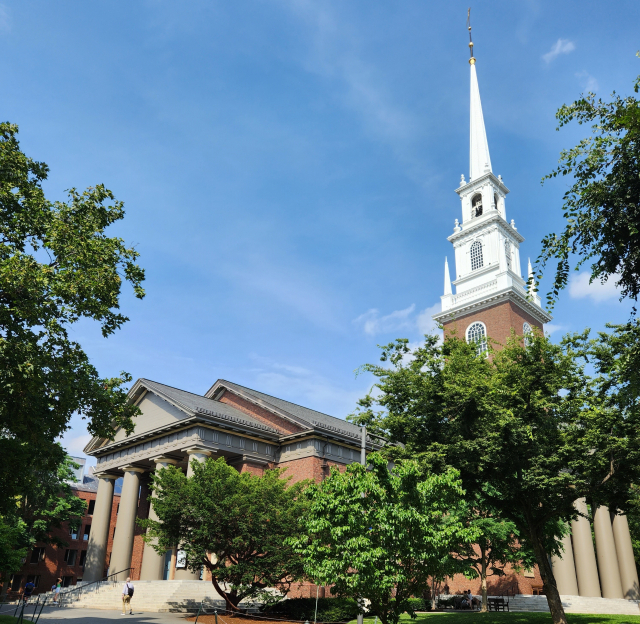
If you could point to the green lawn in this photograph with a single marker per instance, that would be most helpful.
(7, 619)
(510, 618)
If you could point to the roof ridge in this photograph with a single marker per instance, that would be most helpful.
(200, 396)
(278, 398)
(202, 410)
(351, 434)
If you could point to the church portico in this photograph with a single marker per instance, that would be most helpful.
(250, 430)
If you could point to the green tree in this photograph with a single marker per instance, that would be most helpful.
(602, 206)
(528, 421)
(497, 545)
(46, 503)
(234, 524)
(379, 534)
(57, 266)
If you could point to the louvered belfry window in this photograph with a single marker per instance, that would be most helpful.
(476, 255)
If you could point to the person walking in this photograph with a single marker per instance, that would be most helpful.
(127, 594)
(28, 590)
(56, 590)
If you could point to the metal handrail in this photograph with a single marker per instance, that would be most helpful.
(83, 587)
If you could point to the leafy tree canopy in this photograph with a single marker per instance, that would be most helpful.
(46, 503)
(57, 266)
(379, 535)
(498, 543)
(234, 524)
(529, 422)
(602, 206)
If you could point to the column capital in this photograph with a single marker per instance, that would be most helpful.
(132, 468)
(162, 459)
(199, 450)
(105, 475)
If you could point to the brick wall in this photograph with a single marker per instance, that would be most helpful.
(314, 468)
(499, 319)
(497, 585)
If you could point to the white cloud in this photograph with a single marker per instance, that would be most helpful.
(589, 83)
(372, 323)
(562, 46)
(406, 320)
(580, 288)
(426, 325)
(551, 328)
(305, 387)
(335, 53)
(5, 19)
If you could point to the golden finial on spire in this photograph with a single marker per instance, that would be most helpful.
(472, 60)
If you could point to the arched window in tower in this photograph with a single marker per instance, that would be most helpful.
(507, 253)
(495, 200)
(477, 334)
(526, 332)
(476, 205)
(476, 255)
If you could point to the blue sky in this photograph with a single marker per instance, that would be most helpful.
(288, 167)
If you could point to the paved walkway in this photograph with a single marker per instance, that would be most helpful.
(55, 615)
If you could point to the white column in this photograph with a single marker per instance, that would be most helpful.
(564, 570)
(99, 535)
(152, 562)
(607, 558)
(584, 553)
(126, 523)
(200, 454)
(626, 560)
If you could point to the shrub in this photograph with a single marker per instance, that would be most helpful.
(419, 604)
(329, 609)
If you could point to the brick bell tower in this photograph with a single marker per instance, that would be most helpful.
(491, 295)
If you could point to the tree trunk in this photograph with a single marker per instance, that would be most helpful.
(228, 598)
(548, 581)
(483, 581)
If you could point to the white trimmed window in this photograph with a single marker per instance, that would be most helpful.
(526, 332)
(477, 333)
(476, 255)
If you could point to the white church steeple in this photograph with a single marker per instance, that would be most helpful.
(479, 159)
(487, 247)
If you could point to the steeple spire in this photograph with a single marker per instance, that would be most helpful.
(447, 278)
(479, 159)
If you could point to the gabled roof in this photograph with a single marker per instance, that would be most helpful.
(297, 413)
(192, 405)
(197, 404)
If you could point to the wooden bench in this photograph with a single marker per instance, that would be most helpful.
(498, 604)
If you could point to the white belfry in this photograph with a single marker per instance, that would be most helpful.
(487, 268)
(479, 159)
